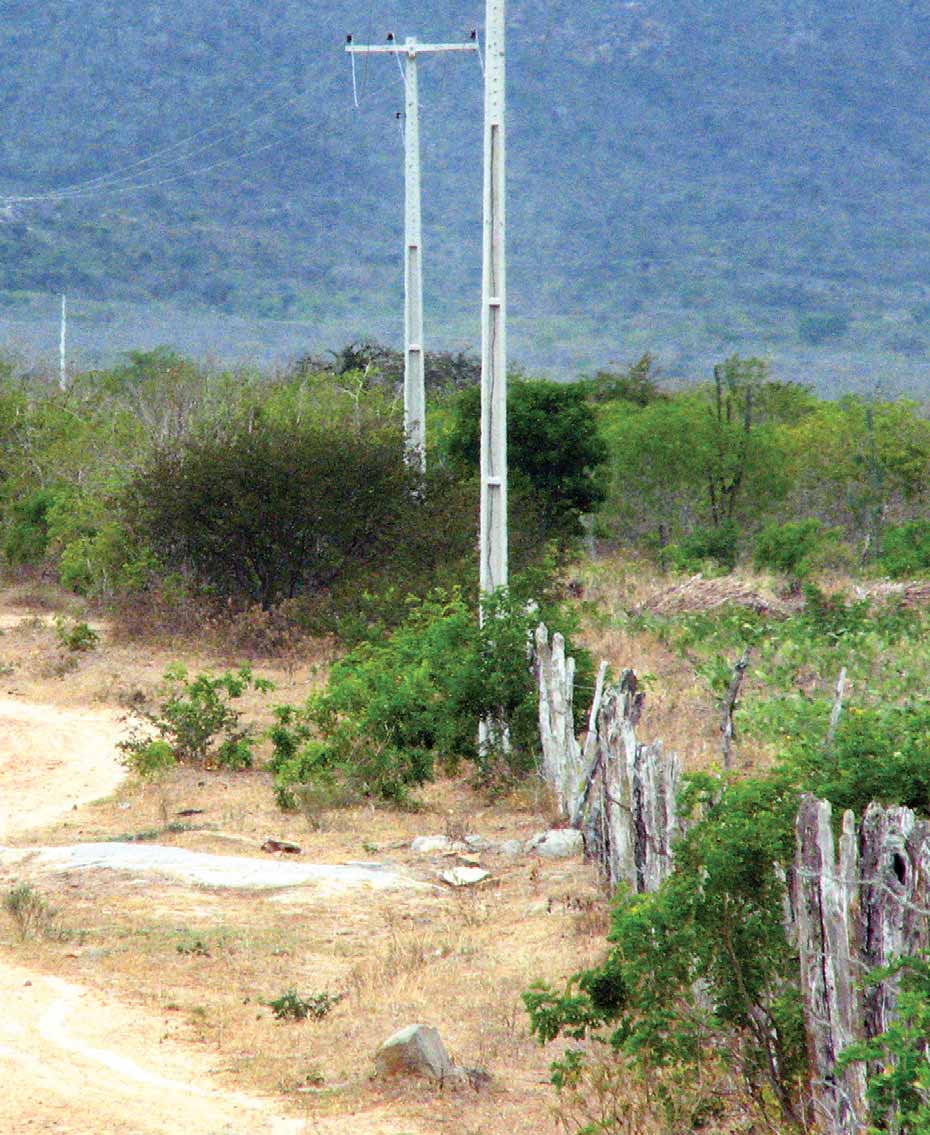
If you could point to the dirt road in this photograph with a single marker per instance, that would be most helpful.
(72, 1062)
(52, 759)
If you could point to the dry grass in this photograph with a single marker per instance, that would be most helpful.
(208, 961)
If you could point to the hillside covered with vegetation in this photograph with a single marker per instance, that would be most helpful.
(681, 181)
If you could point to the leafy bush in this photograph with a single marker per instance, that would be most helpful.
(897, 1070)
(272, 510)
(905, 549)
(791, 548)
(554, 447)
(26, 538)
(195, 724)
(715, 924)
(390, 709)
(30, 912)
(75, 635)
(717, 544)
(830, 615)
(637, 385)
(291, 1006)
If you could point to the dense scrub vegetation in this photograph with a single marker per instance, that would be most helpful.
(162, 476)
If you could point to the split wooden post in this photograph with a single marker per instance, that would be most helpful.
(729, 707)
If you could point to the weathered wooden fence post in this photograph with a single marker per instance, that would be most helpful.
(622, 793)
(561, 753)
(854, 912)
(640, 790)
(825, 893)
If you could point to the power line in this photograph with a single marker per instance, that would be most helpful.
(123, 174)
(118, 188)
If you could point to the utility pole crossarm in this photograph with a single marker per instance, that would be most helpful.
(407, 48)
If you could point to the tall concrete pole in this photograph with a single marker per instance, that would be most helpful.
(63, 346)
(493, 523)
(414, 356)
(414, 366)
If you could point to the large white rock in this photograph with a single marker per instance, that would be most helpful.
(465, 876)
(209, 870)
(558, 843)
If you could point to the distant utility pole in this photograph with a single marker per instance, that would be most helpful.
(63, 346)
(414, 357)
(493, 538)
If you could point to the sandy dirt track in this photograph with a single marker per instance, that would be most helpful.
(72, 1062)
(52, 759)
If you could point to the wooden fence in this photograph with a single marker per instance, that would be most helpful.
(849, 909)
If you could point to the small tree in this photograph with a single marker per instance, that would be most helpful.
(553, 446)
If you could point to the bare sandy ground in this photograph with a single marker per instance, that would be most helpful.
(52, 759)
(71, 1062)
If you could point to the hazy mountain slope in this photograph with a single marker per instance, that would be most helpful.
(682, 177)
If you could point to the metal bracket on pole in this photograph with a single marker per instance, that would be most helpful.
(414, 356)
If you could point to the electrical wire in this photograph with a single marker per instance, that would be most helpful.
(130, 171)
(354, 80)
(400, 67)
(101, 190)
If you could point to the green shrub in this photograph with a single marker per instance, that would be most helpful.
(716, 923)
(896, 1066)
(291, 1006)
(905, 549)
(30, 912)
(195, 724)
(717, 545)
(392, 708)
(554, 448)
(791, 548)
(75, 636)
(273, 510)
(26, 539)
(831, 616)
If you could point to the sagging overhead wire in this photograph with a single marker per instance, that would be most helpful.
(118, 188)
(117, 178)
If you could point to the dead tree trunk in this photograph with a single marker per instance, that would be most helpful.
(853, 913)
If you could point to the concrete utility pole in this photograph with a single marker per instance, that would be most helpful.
(493, 538)
(62, 346)
(414, 356)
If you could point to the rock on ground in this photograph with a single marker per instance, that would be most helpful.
(417, 1050)
(559, 843)
(180, 865)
